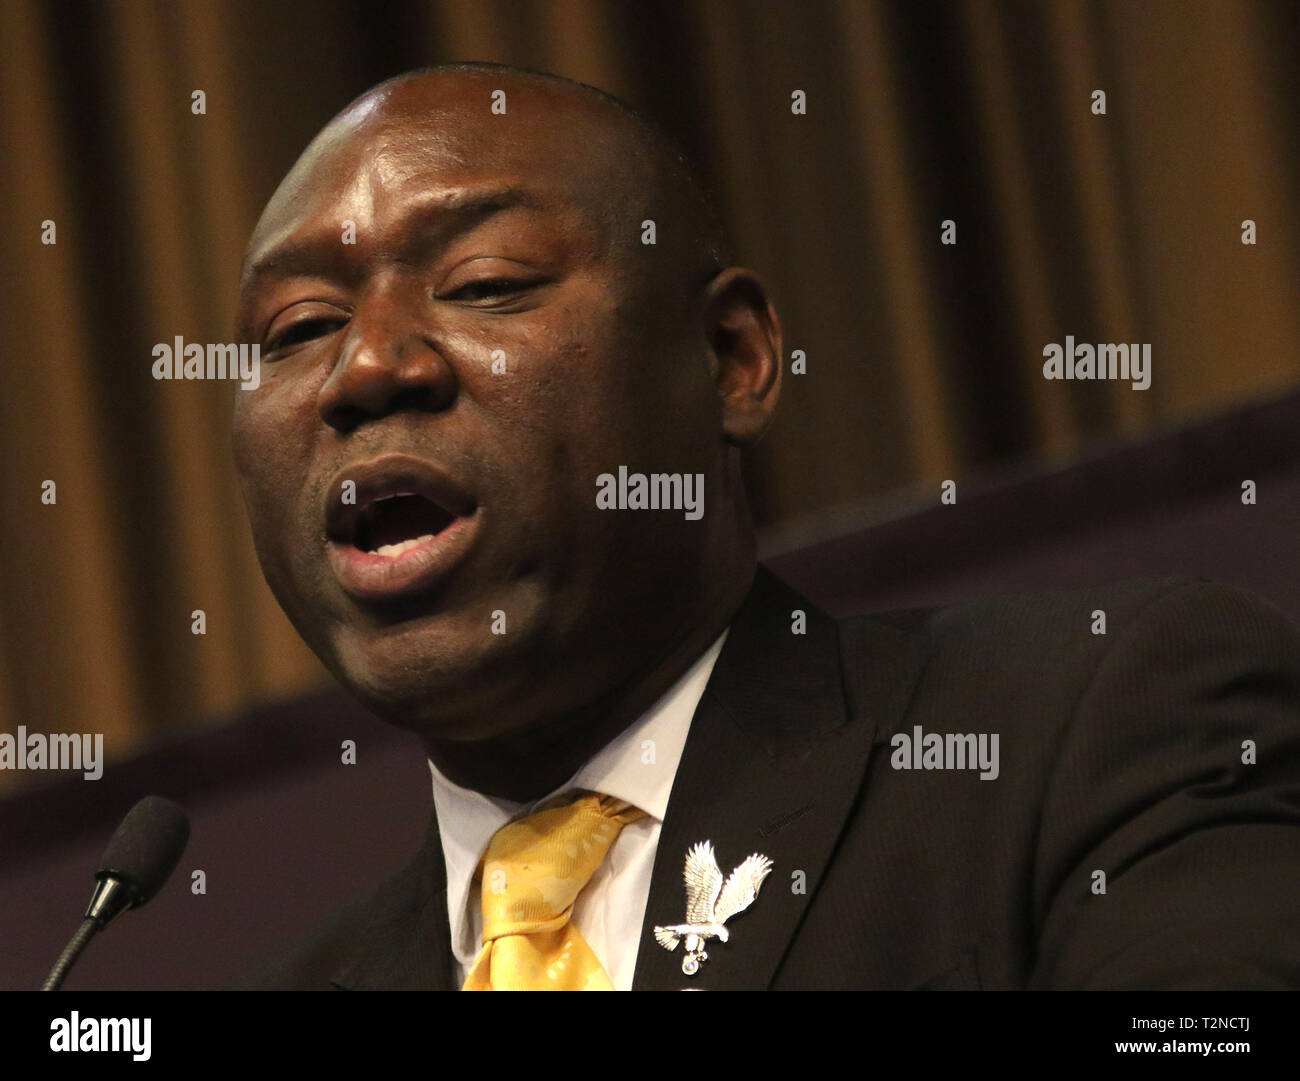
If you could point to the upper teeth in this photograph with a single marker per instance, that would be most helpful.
(402, 546)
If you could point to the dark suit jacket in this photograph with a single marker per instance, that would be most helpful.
(1119, 753)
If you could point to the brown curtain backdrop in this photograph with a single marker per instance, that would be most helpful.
(924, 360)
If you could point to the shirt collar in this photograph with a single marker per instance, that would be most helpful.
(638, 765)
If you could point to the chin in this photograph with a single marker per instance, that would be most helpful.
(432, 676)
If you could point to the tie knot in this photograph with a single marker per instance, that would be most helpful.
(535, 867)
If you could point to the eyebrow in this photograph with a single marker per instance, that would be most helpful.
(455, 213)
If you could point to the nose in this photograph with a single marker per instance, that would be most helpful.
(387, 362)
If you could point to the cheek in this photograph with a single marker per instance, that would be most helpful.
(272, 437)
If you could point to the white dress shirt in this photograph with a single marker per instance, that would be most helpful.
(638, 766)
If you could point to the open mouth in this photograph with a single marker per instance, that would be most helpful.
(398, 523)
(396, 526)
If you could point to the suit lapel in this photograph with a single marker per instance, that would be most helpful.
(773, 763)
(405, 943)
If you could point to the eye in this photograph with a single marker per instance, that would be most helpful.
(489, 288)
(304, 330)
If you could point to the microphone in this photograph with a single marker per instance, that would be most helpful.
(140, 856)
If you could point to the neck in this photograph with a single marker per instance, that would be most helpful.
(528, 765)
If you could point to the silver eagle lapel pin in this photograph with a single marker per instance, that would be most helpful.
(710, 903)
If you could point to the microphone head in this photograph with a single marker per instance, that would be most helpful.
(146, 847)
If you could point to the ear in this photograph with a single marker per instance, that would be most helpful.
(744, 336)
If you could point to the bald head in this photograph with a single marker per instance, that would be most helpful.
(621, 169)
(671, 179)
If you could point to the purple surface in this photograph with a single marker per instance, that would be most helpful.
(279, 856)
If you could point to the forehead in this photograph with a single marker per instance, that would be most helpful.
(437, 138)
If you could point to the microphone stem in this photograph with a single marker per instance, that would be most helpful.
(75, 945)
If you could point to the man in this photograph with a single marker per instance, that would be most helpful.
(472, 350)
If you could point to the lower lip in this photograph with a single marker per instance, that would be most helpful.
(368, 576)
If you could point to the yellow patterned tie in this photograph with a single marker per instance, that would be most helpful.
(532, 872)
